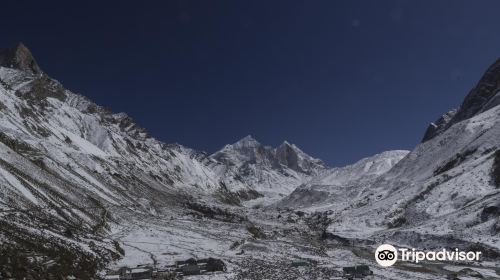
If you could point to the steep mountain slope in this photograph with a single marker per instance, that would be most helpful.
(481, 98)
(72, 172)
(66, 164)
(82, 188)
(272, 172)
(443, 193)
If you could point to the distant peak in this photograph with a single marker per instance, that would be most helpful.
(22, 47)
(248, 138)
(19, 57)
(290, 146)
(247, 141)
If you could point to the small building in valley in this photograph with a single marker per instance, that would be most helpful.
(359, 271)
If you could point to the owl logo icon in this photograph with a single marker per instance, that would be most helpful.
(386, 255)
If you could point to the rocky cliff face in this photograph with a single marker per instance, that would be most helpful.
(291, 156)
(249, 150)
(267, 170)
(20, 58)
(481, 98)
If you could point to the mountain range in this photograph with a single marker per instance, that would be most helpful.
(86, 190)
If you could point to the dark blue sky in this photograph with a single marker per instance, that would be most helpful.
(341, 79)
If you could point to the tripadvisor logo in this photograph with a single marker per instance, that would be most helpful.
(386, 255)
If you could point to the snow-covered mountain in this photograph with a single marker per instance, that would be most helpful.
(340, 186)
(484, 96)
(445, 192)
(68, 166)
(269, 171)
(83, 188)
(66, 162)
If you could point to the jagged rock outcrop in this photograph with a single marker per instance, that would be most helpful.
(19, 58)
(484, 96)
(436, 127)
(291, 156)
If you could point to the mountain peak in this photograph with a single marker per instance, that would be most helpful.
(248, 138)
(287, 147)
(247, 141)
(249, 150)
(286, 143)
(19, 57)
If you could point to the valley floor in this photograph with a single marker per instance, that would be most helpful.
(263, 244)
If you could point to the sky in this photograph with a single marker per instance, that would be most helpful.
(341, 79)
